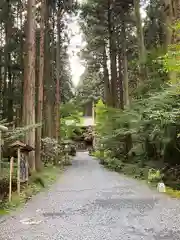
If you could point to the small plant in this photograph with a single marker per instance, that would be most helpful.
(107, 154)
(154, 175)
(99, 154)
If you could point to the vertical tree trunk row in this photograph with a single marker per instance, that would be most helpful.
(40, 88)
(29, 80)
(58, 75)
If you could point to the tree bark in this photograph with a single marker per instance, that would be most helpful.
(7, 59)
(107, 90)
(29, 81)
(140, 37)
(40, 89)
(168, 20)
(170, 15)
(58, 90)
(125, 65)
(23, 48)
(48, 103)
(112, 48)
(120, 80)
(119, 61)
(53, 77)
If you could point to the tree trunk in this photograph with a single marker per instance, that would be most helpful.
(48, 103)
(119, 60)
(120, 80)
(107, 90)
(29, 81)
(23, 48)
(113, 63)
(49, 118)
(58, 73)
(125, 65)
(53, 77)
(40, 89)
(7, 58)
(140, 37)
(168, 20)
(170, 15)
(1, 84)
(10, 112)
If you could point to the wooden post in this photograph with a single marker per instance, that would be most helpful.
(27, 173)
(18, 171)
(10, 178)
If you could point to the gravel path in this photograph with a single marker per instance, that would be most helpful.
(89, 202)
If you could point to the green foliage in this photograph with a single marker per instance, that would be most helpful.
(90, 86)
(99, 154)
(147, 118)
(16, 133)
(153, 28)
(55, 154)
(154, 175)
(171, 61)
(19, 132)
(145, 131)
(101, 116)
(148, 129)
(36, 182)
(70, 120)
(51, 151)
(118, 165)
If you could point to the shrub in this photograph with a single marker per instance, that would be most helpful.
(99, 154)
(154, 175)
(52, 152)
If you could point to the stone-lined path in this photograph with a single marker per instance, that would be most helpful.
(90, 202)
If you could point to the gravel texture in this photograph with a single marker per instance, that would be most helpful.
(90, 202)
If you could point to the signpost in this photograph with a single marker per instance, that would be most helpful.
(19, 150)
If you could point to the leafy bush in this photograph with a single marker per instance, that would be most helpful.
(70, 120)
(152, 123)
(154, 175)
(72, 150)
(51, 151)
(148, 129)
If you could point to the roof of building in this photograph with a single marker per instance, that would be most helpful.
(22, 146)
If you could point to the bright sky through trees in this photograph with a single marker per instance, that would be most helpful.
(76, 43)
(74, 47)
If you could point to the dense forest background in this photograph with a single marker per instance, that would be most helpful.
(35, 76)
(131, 60)
(132, 65)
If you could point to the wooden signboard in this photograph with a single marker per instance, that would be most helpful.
(19, 150)
(23, 168)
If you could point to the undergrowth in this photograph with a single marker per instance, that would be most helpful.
(142, 139)
(146, 173)
(37, 182)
